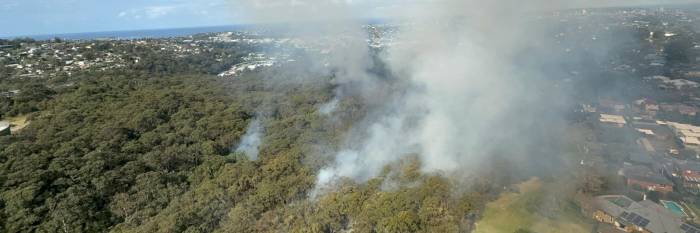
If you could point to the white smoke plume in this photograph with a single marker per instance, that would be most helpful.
(251, 141)
(330, 107)
(463, 91)
(462, 97)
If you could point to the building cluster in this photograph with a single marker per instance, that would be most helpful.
(664, 158)
(30, 59)
(688, 135)
(651, 143)
(255, 61)
(584, 29)
(49, 58)
(281, 50)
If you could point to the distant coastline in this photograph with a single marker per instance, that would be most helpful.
(133, 34)
(158, 33)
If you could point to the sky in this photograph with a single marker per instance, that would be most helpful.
(41, 17)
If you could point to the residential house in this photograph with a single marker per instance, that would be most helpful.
(644, 216)
(689, 174)
(648, 106)
(614, 120)
(645, 178)
(687, 110)
(688, 135)
(653, 130)
(683, 109)
(611, 106)
(639, 157)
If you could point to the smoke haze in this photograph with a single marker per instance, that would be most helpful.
(461, 93)
(464, 98)
(251, 140)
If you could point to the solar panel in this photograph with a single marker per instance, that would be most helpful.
(637, 219)
(644, 223)
(685, 227)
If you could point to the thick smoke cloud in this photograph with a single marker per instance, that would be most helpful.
(464, 91)
(460, 96)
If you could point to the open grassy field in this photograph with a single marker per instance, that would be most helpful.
(18, 122)
(513, 211)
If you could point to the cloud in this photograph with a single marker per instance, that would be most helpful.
(150, 12)
(9, 6)
(159, 11)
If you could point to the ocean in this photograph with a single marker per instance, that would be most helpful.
(135, 34)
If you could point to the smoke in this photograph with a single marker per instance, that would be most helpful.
(251, 141)
(466, 98)
(457, 92)
(330, 107)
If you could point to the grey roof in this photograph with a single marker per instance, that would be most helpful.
(647, 214)
(640, 157)
(688, 165)
(643, 173)
(628, 168)
(4, 125)
(653, 178)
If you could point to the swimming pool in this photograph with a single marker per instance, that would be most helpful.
(674, 207)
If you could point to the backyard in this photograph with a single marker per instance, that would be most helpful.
(513, 211)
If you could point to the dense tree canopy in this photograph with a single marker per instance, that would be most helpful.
(122, 152)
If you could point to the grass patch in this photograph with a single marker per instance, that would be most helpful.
(513, 211)
(17, 123)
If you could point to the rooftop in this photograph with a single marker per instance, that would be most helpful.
(685, 165)
(615, 119)
(642, 173)
(645, 131)
(689, 134)
(640, 157)
(645, 214)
